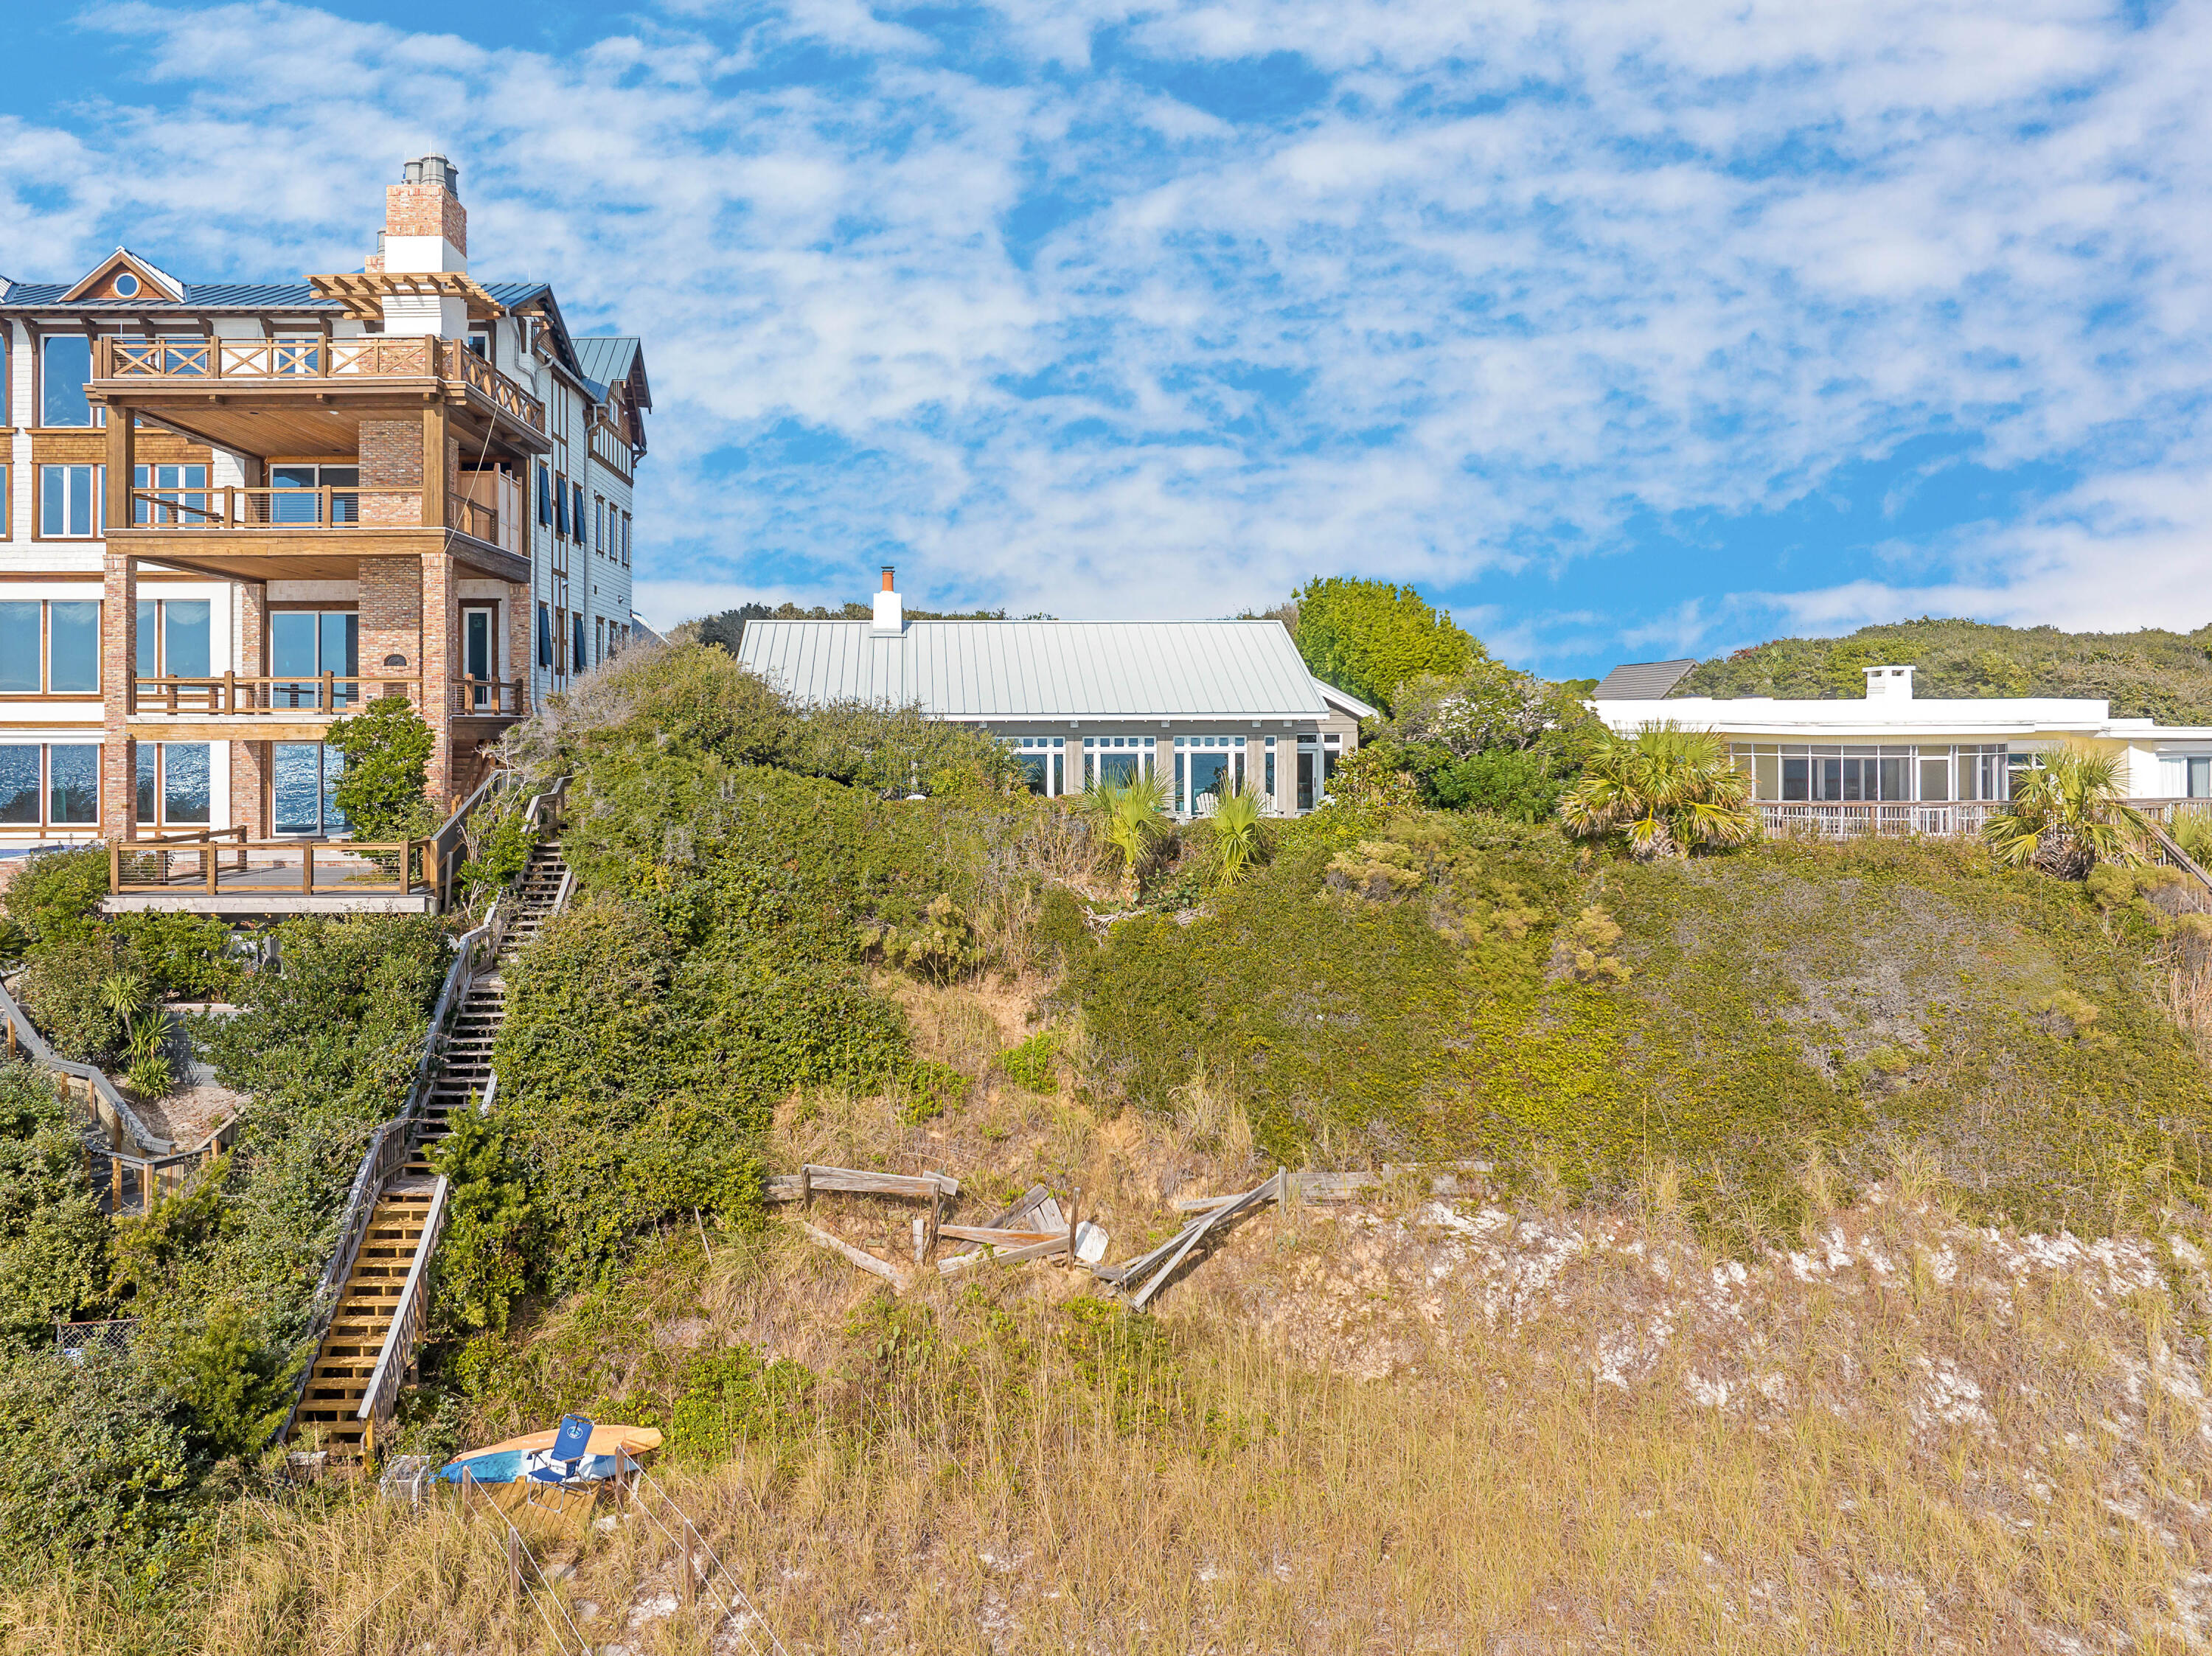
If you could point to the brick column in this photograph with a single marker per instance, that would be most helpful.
(440, 640)
(249, 788)
(118, 666)
(521, 661)
(250, 761)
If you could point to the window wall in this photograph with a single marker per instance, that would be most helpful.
(174, 786)
(305, 802)
(1044, 758)
(50, 784)
(1117, 758)
(174, 638)
(2184, 775)
(310, 643)
(69, 505)
(1871, 773)
(50, 647)
(1207, 768)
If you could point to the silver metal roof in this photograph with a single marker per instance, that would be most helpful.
(1043, 669)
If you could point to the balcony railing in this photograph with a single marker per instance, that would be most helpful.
(490, 697)
(417, 356)
(236, 695)
(224, 862)
(356, 506)
(1830, 819)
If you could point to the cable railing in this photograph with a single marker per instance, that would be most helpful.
(239, 695)
(214, 861)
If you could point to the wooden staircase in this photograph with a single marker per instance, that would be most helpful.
(464, 1067)
(403, 1229)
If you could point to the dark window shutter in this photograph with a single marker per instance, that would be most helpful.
(545, 495)
(544, 638)
(578, 519)
(560, 507)
(580, 642)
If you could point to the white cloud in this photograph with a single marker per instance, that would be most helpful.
(1537, 271)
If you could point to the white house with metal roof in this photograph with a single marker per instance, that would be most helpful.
(1208, 705)
(1888, 751)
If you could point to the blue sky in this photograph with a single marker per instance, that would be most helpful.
(1626, 329)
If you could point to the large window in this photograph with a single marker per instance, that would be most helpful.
(49, 647)
(178, 497)
(303, 493)
(1044, 759)
(64, 366)
(174, 788)
(1873, 774)
(1117, 758)
(1206, 767)
(69, 501)
(50, 784)
(174, 638)
(306, 779)
(304, 644)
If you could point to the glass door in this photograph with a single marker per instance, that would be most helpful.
(310, 643)
(304, 795)
(295, 493)
(479, 658)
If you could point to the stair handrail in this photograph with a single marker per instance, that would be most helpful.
(399, 1336)
(105, 1100)
(388, 1146)
(488, 792)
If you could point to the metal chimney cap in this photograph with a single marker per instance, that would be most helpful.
(433, 169)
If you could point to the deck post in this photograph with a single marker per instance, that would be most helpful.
(690, 1572)
(306, 868)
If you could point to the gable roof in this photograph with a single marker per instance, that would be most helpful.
(197, 296)
(1045, 669)
(1641, 681)
(123, 260)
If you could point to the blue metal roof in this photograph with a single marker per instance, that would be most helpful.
(231, 296)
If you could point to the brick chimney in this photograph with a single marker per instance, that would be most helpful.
(425, 228)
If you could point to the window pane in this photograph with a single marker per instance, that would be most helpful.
(148, 758)
(19, 648)
(1935, 779)
(476, 624)
(1894, 779)
(1036, 766)
(298, 787)
(19, 784)
(149, 640)
(73, 787)
(53, 499)
(185, 623)
(66, 361)
(2200, 779)
(185, 794)
(341, 643)
(73, 648)
(293, 508)
(1796, 779)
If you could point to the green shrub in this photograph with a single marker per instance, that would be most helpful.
(83, 992)
(53, 1238)
(730, 1399)
(1033, 1064)
(184, 956)
(1063, 928)
(382, 789)
(502, 852)
(56, 895)
(92, 1461)
(484, 1257)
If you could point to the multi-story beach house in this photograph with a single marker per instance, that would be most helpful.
(233, 513)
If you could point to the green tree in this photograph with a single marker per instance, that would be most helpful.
(1369, 636)
(383, 789)
(1666, 791)
(2068, 814)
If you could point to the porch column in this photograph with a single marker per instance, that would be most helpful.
(119, 667)
(435, 479)
(440, 640)
(520, 661)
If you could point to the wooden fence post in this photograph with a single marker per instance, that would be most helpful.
(513, 1562)
(690, 1576)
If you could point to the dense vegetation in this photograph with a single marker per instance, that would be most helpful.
(2154, 673)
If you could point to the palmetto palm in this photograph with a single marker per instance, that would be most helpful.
(1236, 825)
(1667, 790)
(2067, 814)
(1133, 815)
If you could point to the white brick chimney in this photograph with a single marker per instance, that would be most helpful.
(425, 228)
(891, 610)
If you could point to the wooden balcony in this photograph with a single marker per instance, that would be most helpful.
(221, 871)
(311, 534)
(236, 707)
(309, 396)
(490, 697)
